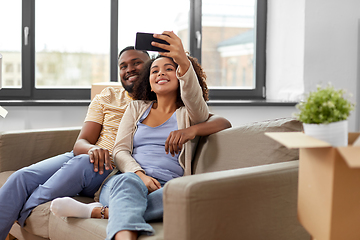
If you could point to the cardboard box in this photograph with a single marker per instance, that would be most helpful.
(329, 186)
(98, 87)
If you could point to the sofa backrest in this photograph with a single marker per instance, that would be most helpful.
(245, 146)
(25, 147)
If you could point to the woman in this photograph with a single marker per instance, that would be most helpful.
(172, 93)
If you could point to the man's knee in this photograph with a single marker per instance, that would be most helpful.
(81, 162)
(23, 175)
(85, 158)
(23, 178)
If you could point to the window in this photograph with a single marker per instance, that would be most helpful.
(158, 21)
(231, 39)
(10, 44)
(62, 50)
(74, 49)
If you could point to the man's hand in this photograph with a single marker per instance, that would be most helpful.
(99, 156)
(176, 140)
(86, 144)
(151, 183)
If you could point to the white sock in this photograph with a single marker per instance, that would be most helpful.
(69, 207)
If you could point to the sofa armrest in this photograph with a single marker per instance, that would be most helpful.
(249, 203)
(22, 148)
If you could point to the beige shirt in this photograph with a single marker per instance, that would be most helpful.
(107, 109)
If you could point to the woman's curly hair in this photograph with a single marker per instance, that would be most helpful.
(142, 88)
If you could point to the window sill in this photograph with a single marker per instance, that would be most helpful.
(252, 103)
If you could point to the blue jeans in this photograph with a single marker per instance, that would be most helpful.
(59, 176)
(130, 205)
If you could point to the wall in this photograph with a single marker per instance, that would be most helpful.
(309, 42)
(331, 47)
(20, 118)
(285, 50)
(313, 42)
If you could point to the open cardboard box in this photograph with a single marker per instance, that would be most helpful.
(329, 186)
(98, 87)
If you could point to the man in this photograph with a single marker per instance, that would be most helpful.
(83, 170)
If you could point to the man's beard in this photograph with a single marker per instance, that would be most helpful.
(129, 88)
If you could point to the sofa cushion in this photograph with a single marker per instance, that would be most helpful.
(43, 223)
(38, 221)
(90, 229)
(76, 228)
(253, 147)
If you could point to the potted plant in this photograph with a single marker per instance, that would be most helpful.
(324, 115)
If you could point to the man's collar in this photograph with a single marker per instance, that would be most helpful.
(127, 93)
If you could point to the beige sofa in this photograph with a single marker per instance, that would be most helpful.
(244, 187)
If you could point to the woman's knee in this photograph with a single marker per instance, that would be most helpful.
(128, 179)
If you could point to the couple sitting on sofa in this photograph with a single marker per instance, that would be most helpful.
(172, 91)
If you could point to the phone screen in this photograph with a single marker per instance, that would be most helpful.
(143, 42)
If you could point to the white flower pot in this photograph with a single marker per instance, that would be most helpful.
(335, 133)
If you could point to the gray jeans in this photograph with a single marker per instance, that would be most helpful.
(130, 205)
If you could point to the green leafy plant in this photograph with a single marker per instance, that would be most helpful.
(326, 105)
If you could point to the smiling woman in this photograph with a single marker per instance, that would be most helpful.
(163, 80)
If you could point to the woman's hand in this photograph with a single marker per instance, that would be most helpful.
(151, 183)
(178, 138)
(176, 50)
(99, 157)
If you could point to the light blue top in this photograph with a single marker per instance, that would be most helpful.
(149, 149)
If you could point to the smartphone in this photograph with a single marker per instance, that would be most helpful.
(143, 42)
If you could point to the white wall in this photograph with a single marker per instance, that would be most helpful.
(331, 47)
(285, 50)
(31, 117)
(20, 118)
(309, 42)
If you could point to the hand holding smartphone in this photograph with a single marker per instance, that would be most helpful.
(143, 42)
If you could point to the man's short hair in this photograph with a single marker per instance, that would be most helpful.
(132, 48)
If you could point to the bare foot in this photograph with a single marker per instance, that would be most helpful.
(126, 235)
